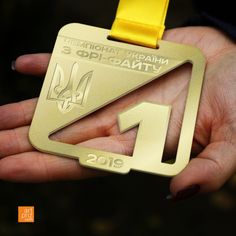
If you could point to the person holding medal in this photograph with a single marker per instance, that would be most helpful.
(214, 141)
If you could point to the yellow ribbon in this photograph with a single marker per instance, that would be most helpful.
(140, 21)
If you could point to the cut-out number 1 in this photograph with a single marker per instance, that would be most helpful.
(153, 120)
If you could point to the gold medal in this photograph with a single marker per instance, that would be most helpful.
(87, 71)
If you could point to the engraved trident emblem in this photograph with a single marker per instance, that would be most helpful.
(69, 92)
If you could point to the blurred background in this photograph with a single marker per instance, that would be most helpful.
(117, 205)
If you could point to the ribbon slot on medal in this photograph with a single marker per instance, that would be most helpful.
(82, 68)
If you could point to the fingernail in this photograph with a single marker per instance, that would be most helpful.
(184, 193)
(13, 65)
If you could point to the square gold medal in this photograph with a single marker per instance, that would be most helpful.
(85, 64)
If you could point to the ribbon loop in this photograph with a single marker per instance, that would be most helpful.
(140, 22)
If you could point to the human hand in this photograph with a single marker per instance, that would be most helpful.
(214, 144)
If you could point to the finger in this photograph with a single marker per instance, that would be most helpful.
(32, 64)
(209, 170)
(17, 114)
(39, 167)
(90, 127)
(14, 141)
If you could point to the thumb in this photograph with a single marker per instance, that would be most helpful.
(205, 173)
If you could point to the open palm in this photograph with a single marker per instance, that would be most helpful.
(214, 144)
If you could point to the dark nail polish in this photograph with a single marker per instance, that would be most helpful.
(185, 193)
(13, 65)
